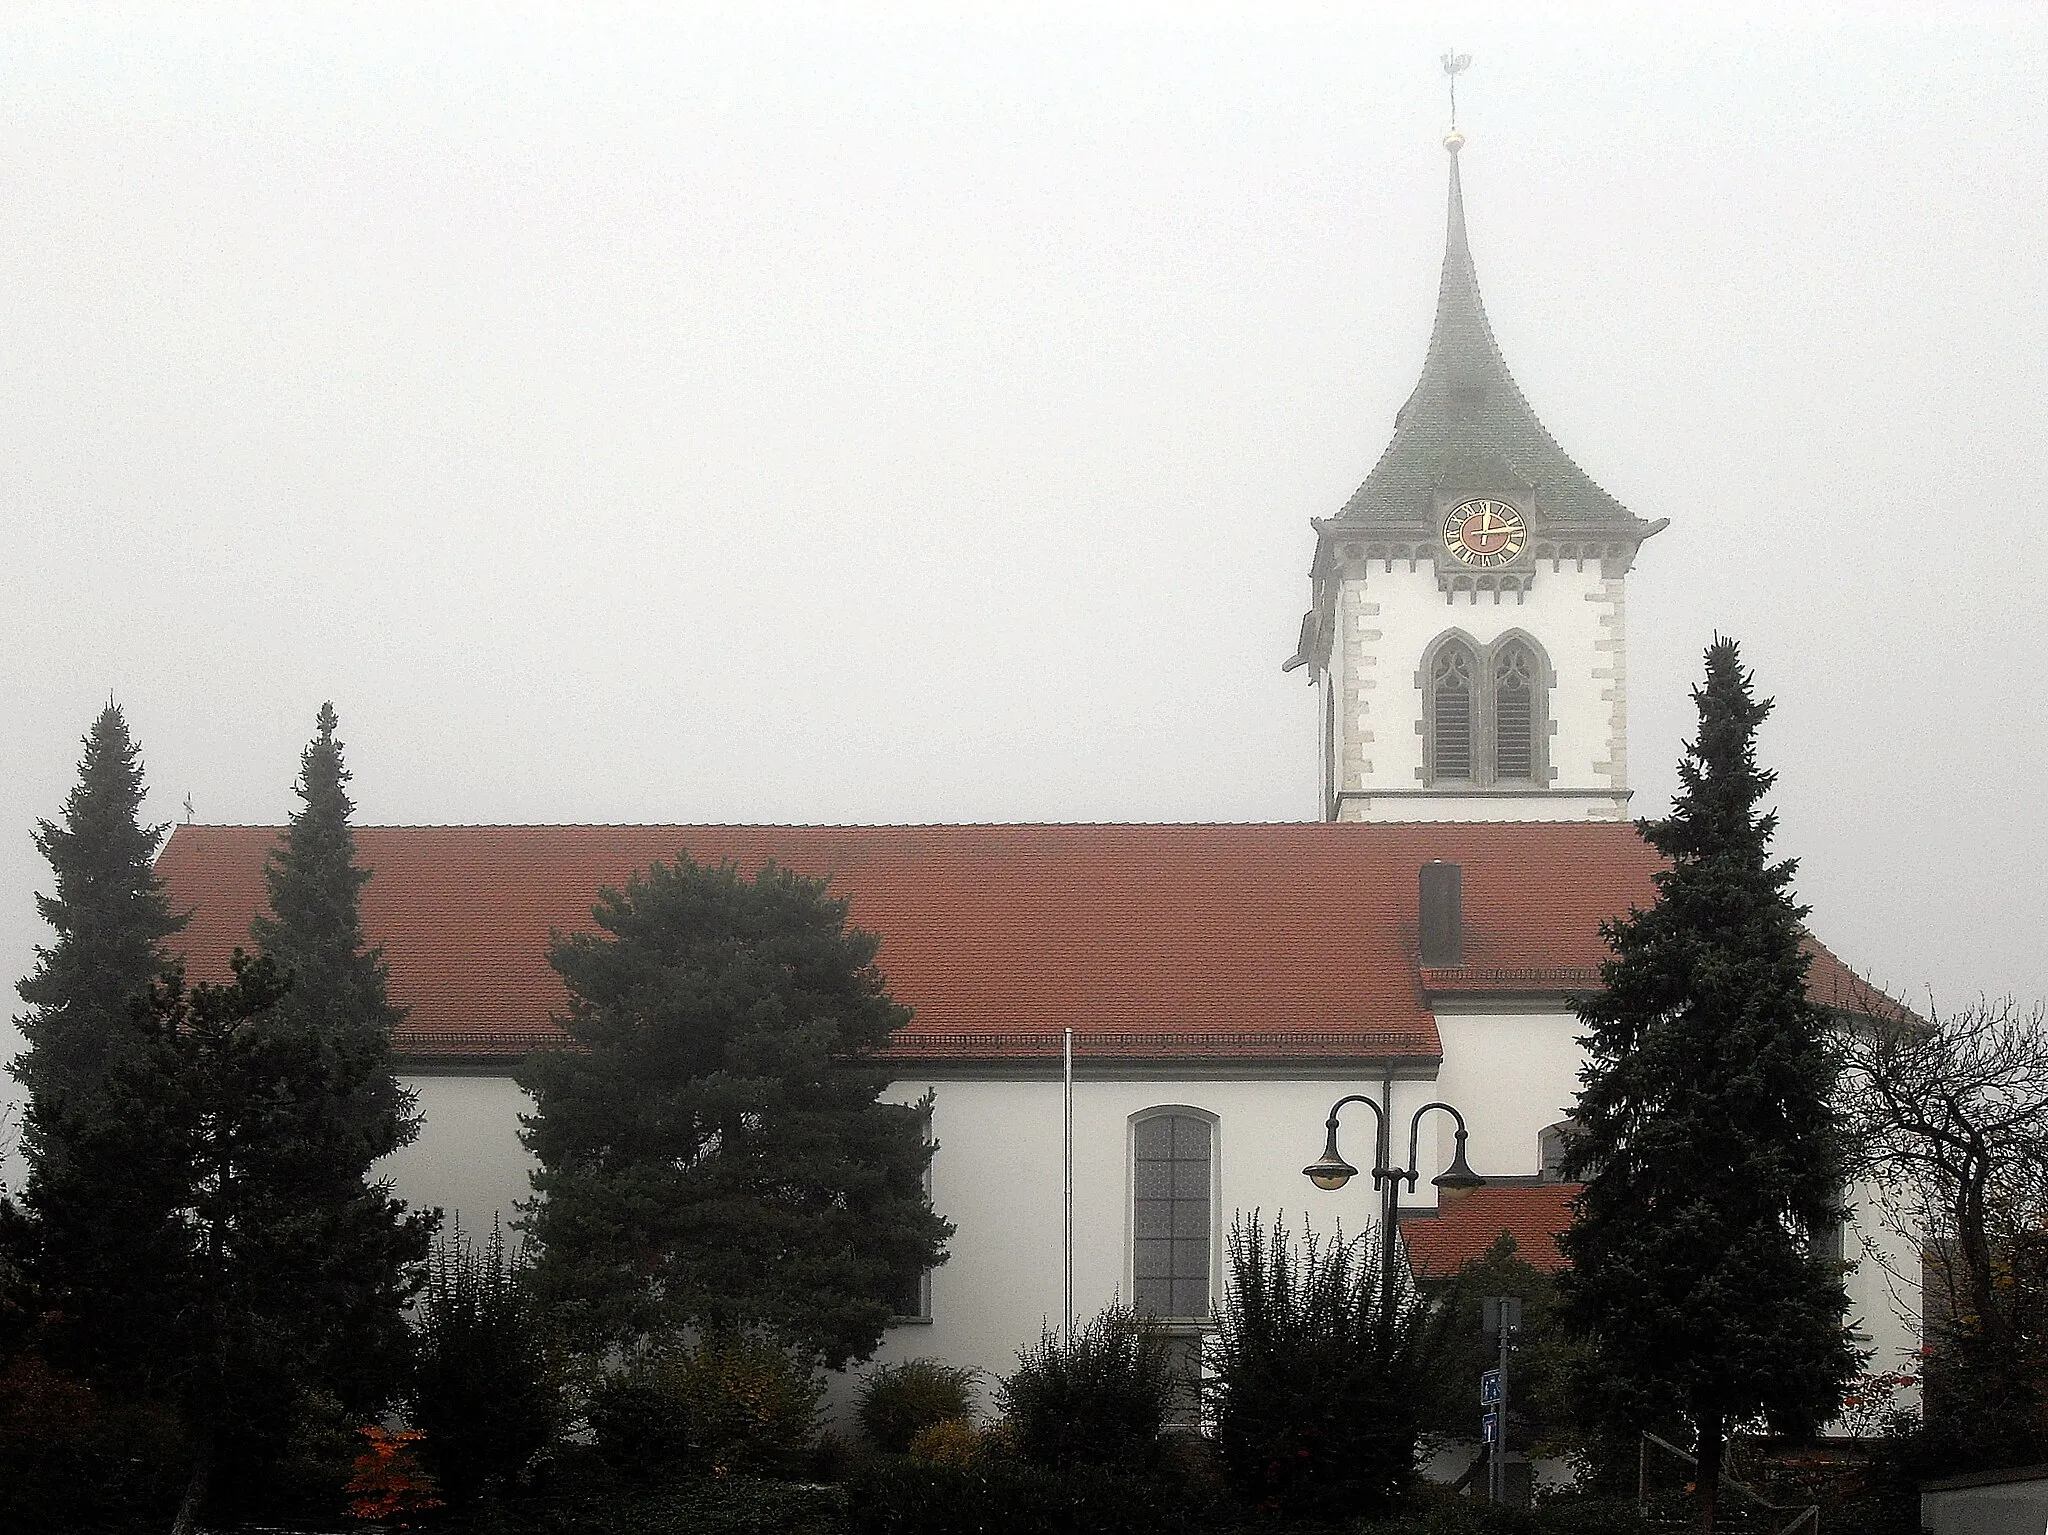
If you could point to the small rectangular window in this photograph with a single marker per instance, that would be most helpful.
(1184, 1362)
(914, 1300)
(1832, 1242)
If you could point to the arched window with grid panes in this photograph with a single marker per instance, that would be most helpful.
(1173, 1198)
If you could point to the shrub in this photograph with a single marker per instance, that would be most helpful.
(483, 1390)
(389, 1481)
(948, 1442)
(577, 1497)
(1437, 1511)
(732, 1403)
(897, 1402)
(900, 1496)
(1317, 1376)
(638, 1422)
(70, 1460)
(1098, 1399)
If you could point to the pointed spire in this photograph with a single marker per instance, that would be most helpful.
(1467, 425)
(1463, 369)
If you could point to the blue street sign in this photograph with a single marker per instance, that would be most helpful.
(1489, 1428)
(1489, 1388)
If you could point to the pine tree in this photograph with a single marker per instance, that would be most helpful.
(339, 1001)
(715, 1155)
(1710, 1150)
(111, 918)
(209, 1243)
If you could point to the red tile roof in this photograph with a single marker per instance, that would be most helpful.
(1284, 941)
(1464, 1228)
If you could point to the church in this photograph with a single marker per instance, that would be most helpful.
(1132, 1033)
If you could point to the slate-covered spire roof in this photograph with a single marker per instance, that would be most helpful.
(1467, 426)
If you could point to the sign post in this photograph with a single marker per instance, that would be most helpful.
(1501, 1317)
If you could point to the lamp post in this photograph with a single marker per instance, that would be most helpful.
(1331, 1171)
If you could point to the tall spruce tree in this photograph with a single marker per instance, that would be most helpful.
(1711, 1155)
(111, 918)
(716, 1156)
(209, 1243)
(339, 999)
(314, 930)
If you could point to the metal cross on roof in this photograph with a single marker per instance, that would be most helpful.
(1455, 64)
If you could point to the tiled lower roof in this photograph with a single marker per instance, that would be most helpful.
(1275, 942)
(1465, 1227)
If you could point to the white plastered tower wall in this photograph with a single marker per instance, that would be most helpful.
(1391, 611)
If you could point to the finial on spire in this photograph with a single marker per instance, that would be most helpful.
(1455, 64)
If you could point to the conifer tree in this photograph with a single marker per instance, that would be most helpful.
(715, 1155)
(339, 1000)
(209, 1244)
(1711, 1155)
(314, 930)
(111, 918)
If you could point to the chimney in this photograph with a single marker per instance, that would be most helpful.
(1443, 916)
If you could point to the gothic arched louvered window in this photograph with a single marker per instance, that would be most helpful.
(1552, 1142)
(1450, 689)
(1172, 1196)
(1514, 713)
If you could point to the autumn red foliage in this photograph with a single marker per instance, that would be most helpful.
(390, 1485)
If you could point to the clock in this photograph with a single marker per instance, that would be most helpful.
(1484, 533)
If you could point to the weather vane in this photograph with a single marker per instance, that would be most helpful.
(1455, 64)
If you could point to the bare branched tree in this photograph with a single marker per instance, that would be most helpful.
(1952, 1113)
(1951, 1116)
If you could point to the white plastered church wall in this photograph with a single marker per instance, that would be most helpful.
(467, 1160)
(1884, 1291)
(998, 1177)
(1512, 1074)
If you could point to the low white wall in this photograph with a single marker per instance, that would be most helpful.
(1512, 1074)
(2018, 1507)
(467, 1160)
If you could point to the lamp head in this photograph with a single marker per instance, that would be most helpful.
(1458, 1178)
(1330, 1171)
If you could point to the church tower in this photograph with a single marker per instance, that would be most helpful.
(1467, 636)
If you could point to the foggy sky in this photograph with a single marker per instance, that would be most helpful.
(894, 415)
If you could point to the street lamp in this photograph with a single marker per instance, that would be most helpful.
(1330, 1171)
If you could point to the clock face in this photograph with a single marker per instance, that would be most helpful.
(1485, 533)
